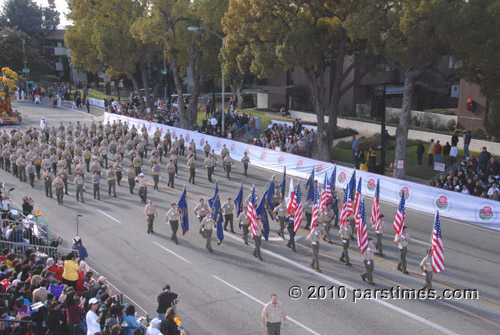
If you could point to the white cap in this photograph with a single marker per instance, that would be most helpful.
(155, 322)
(141, 175)
(93, 301)
(30, 217)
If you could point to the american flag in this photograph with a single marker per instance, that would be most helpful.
(343, 210)
(399, 220)
(352, 188)
(357, 203)
(252, 213)
(292, 200)
(437, 246)
(315, 215)
(375, 218)
(361, 228)
(298, 209)
(326, 195)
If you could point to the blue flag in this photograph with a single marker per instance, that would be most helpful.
(216, 194)
(352, 186)
(217, 216)
(283, 184)
(183, 209)
(310, 185)
(269, 193)
(331, 181)
(238, 202)
(262, 210)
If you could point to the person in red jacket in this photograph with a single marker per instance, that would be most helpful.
(56, 268)
(437, 152)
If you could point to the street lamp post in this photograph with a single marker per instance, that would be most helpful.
(222, 73)
(25, 60)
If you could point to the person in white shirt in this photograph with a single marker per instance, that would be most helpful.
(154, 327)
(492, 189)
(43, 123)
(453, 154)
(93, 320)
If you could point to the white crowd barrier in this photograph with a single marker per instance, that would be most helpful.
(96, 102)
(462, 207)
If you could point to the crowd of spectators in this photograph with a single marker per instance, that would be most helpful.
(58, 295)
(476, 176)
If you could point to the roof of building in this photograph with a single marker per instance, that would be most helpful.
(56, 34)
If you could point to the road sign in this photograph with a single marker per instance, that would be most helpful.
(163, 72)
(26, 70)
(30, 81)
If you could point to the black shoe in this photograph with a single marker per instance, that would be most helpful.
(294, 250)
(330, 242)
(232, 231)
(340, 259)
(363, 277)
(152, 231)
(288, 245)
(261, 258)
(372, 283)
(406, 272)
(348, 264)
(381, 255)
(246, 243)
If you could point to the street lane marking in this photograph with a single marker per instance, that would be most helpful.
(109, 216)
(339, 283)
(173, 253)
(263, 304)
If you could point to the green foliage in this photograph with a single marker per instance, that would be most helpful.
(12, 53)
(392, 120)
(451, 125)
(440, 111)
(29, 17)
(344, 132)
(248, 101)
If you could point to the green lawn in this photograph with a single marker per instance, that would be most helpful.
(96, 95)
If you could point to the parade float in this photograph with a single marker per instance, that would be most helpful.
(8, 87)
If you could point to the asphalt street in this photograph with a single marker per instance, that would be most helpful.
(224, 292)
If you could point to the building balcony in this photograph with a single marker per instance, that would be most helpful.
(60, 51)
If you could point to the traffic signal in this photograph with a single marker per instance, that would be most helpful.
(471, 105)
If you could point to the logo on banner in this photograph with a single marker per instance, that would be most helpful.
(108, 118)
(202, 141)
(442, 202)
(342, 177)
(187, 137)
(139, 125)
(299, 163)
(406, 190)
(233, 146)
(485, 212)
(128, 122)
(174, 134)
(263, 155)
(218, 144)
(247, 150)
(371, 184)
(319, 168)
(281, 159)
(161, 130)
(149, 127)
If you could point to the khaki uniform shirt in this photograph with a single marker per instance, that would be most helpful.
(78, 181)
(155, 170)
(202, 210)
(47, 176)
(131, 174)
(327, 215)
(191, 163)
(227, 208)
(173, 214)
(207, 223)
(111, 175)
(308, 207)
(243, 218)
(171, 167)
(150, 210)
(344, 232)
(426, 263)
(403, 240)
(273, 313)
(209, 162)
(280, 211)
(142, 182)
(224, 152)
(369, 253)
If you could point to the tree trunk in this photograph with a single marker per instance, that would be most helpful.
(192, 112)
(137, 89)
(178, 83)
(315, 79)
(145, 84)
(404, 123)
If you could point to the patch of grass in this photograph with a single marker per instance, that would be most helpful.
(265, 118)
(96, 95)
